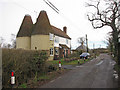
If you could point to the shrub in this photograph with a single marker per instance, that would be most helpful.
(25, 63)
(52, 68)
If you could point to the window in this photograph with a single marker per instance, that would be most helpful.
(66, 41)
(51, 51)
(51, 36)
(35, 48)
(56, 51)
(57, 39)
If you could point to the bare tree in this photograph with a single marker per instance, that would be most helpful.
(6, 45)
(81, 40)
(1, 41)
(13, 40)
(109, 42)
(106, 17)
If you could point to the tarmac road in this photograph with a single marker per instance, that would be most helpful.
(97, 73)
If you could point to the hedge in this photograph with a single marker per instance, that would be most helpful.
(27, 64)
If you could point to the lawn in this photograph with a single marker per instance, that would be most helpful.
(45, 77)
(74, 62)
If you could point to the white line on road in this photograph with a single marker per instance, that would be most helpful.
(79, 66)
(59, 77)
(52, 81)
(100, 63)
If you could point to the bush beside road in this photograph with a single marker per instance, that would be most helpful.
(28, 73)
(27, 64)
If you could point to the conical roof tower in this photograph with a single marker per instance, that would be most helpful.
(26, 27)
(42, 26)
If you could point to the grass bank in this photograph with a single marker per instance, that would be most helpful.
(48, 76)
(74, 62)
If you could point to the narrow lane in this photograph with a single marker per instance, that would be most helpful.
(97, 73)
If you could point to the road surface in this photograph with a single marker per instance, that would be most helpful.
(97, 73)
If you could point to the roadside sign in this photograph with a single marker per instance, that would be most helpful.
(59, 65)
(12, 77)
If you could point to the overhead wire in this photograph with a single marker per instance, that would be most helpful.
(51, 5)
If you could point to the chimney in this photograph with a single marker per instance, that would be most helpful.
(65, 29)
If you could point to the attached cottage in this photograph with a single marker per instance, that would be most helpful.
(43, 36)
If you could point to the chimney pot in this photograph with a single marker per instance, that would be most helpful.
(65, 29)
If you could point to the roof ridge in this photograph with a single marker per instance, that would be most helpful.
(59, 34)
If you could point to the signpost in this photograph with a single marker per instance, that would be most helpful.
(12, 78)
(59, 65)
(78, 61)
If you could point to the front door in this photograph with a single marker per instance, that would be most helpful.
(64, 53)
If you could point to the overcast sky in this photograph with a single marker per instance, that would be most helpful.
(72, 14)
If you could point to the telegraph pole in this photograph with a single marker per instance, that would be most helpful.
(86, 42)
(93, 47)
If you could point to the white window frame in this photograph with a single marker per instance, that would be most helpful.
(51, 36)
(51, 52)
(66, 41)
(56, 39)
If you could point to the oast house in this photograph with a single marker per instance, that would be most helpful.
(43, 36)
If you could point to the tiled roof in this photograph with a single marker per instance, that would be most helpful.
(26, 27)
(42, 25)
(81, 47)
(59, 32)
(64, 46)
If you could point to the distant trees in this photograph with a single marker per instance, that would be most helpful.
(13, 40)
(106, 17)
(3, 44)
(1, 41)
(110, 44)
(81, 40)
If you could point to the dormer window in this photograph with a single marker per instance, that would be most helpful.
(51, 36)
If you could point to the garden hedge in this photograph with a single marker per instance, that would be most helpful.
(25, 63)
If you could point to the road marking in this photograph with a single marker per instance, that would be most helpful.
(79, 66)
(52, 81)
(115, 76)
(59, 77)
(100, 63)
(115, 71)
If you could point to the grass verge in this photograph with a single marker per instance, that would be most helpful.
(46, 77)
(74, 62)
(42, 79)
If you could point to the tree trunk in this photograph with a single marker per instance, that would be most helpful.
(115, 40)
(119, 54)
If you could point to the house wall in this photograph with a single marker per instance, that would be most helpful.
(41, 42)
(51, 46)
(23, 42)
(61, 41)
